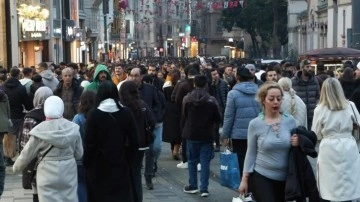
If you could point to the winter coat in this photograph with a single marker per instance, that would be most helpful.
(57, 172)
(200, 113)
(110, 140)
(240, 109)
(300, 181)
(77, 91)
(26, 82)
(355, 97)
(220, 91)
(181, 89)
(348, 87)
(18, 98)
(308, 91)
(95, 84)
(49, 79)
(171, 124)
(338, 162)
(4, 112)
(155, 99)
(300, 114)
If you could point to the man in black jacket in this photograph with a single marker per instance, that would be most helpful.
(219, 90)
(200, 112)
(18, 100)
(69, 90)
(152, 98)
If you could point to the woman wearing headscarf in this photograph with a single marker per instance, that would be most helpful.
(33, 118)
(110, 134)
(57, 142)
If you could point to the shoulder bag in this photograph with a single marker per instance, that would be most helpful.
(356, 127)
(30, 171)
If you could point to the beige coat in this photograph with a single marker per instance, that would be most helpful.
(338, 163)
(57, 172)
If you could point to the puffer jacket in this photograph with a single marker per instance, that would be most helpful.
(308, 91)
(241, 108)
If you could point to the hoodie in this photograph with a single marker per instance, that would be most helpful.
(241, 108)
(49, 79)
(95, 84)
(60, 133)
(18, 98)
(200, 113)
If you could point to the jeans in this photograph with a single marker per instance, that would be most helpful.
(158, 140)
(136, 163)
(199, 152)
(2, 165)
(81, 191)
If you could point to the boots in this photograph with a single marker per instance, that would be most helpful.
(175, 152)
(149, 184)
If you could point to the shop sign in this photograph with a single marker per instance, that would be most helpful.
(33, 29)
(69, 33)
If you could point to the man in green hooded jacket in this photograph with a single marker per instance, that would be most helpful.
(101, 74)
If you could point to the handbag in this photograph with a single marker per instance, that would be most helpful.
(229, 170)
(32, 173)
(356, 127)
(27, 176)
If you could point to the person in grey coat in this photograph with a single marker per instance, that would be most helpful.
(241, 108)
(57, 171)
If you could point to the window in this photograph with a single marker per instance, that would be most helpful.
(169, 30)
(81, 5)
(177, 10)
(219, 25)
(127, 27)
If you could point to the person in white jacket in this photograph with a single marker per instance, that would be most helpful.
(56, 176)
(293, 104)
(338, 162)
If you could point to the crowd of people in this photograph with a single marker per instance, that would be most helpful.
(88, 130)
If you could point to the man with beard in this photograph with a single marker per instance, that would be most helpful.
(155, 81)
(119, 73)
(101, 74)
(307, 88)
(228, 76)
(271, 75)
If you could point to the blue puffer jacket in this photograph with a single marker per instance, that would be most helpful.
(241, 108)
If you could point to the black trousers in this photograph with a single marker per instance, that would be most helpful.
(240, 147)
(323, 200)
(183, 148)
(265, 189)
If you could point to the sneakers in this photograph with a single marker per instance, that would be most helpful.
(199, 167)
(182, 165)
(189, 190)
(204, 193)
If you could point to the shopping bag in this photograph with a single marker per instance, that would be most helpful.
(229, 170)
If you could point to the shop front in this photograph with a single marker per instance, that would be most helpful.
(3, 55)
(33, 35)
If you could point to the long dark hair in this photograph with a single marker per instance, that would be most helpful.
(107, 89)
(130, 97)
(87, 102)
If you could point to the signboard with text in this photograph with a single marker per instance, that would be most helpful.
(31, 29)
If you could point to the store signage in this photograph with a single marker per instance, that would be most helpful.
(69, 33)
(33, 29)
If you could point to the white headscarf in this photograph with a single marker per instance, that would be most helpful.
(53, 107)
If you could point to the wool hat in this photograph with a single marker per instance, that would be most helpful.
(303, 63)
(250, 67)
(53, 107)
(243, 72)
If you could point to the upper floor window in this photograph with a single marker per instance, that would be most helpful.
(81, 5)
(219, 25)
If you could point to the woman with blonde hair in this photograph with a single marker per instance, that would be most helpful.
(338, 162)
(293, 104)
(269, 142)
